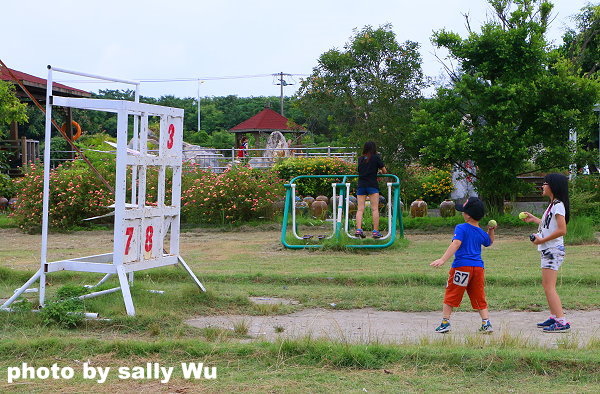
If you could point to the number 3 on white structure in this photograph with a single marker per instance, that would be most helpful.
(171, 141)
(461, 278)
(171, 136)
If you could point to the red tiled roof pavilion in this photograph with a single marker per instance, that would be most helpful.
(267, 120)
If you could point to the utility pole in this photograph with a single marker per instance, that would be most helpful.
(282, 83)
(199, 82)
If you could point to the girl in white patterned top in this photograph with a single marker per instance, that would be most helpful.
(549, 240)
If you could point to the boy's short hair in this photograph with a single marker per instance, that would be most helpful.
(473, 207)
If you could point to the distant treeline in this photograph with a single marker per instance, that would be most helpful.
(218, 114)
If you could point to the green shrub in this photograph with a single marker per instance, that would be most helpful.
(432, 222)
(65, 309)
(239, 194)
(21, 305)
(437, 186)
(429, 183)
(584, 197)
(8, 188)
(290, 168)
(92, 143)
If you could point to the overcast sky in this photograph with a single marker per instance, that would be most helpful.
(211, 40)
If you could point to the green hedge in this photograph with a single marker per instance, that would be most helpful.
(290, 168)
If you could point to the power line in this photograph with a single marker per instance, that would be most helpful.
(188, 79)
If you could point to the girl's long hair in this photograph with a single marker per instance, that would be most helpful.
(559, 185)
(369, 150)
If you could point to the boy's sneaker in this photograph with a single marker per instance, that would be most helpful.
(377, 234)
(486, 328)
(443, 327)
(547, 323)
(557, 327)
(359, 233)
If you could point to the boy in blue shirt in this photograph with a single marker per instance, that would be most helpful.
(467, 272)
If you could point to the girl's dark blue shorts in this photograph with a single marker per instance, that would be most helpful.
(366, 191)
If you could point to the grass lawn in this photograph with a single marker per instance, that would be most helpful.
(234, 265)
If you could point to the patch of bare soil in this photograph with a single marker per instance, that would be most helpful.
(369, 325)
(22, 251)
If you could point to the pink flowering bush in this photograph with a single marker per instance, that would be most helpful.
(237, 195)
(75, 193)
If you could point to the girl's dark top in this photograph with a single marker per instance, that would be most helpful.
(367, 171)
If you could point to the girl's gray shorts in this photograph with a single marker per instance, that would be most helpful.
(553, 258)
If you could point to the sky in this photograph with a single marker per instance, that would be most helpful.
(232, 46)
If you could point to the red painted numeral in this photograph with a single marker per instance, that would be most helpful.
(129, 233)
(149, 234)
(171, 136)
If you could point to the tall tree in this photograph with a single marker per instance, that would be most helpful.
(582, 48)
(510, 101)
(582, 44)
(367, 92)
(11, 110)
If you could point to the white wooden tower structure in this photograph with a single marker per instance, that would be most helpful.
(146, 233)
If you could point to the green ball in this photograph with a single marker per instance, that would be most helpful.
(492, 223)
(522, 215)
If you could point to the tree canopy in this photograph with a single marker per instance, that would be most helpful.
(582, 47)
(11, 110)
(582, 44)
(218, 114)
(511, 101)
(367, 91)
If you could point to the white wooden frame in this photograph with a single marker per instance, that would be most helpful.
(135, 221)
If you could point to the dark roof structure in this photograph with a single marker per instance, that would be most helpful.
(37, 86)
(267, 120)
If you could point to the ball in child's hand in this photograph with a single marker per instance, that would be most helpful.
(522, 215)
(492, 223)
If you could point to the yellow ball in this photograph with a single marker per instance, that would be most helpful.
(522, 215)
(492, 223)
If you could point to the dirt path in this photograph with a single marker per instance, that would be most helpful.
(370, 325)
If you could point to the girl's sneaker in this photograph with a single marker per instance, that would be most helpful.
(547, 323)
(557, 327)
(377, 234)
(443, 327)
(359, 233)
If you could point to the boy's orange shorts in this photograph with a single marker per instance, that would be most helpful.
(471, 279)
